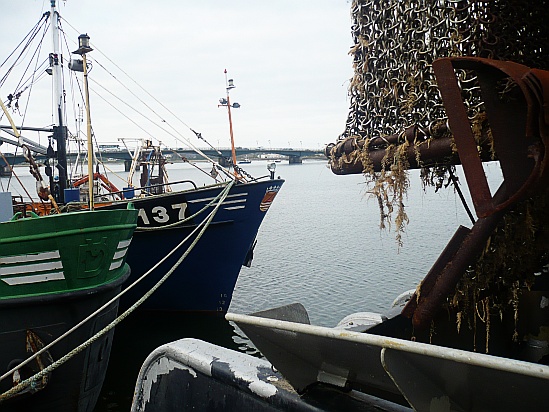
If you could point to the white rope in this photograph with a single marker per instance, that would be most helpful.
(205, 223)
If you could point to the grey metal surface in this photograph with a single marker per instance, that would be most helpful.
(6, 206)
(190, 374)
(437, 384)
(307, 354)
(430, 377)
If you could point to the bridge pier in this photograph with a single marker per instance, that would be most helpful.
(223, 161)
(295, 160)
(128, 165)
(5, 171)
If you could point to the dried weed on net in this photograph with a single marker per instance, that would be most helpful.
(390, 186)
(437, 177)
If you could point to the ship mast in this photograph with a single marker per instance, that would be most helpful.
(55, 57)
(59, 128)
(83, 48)
(227, 102)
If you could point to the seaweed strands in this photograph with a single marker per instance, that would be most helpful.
(490, 271)
(385, 162)
(477, 109)
(513, 263)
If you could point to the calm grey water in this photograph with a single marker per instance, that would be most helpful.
(320, 245)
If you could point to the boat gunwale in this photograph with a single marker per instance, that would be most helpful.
(261, 180)
(16, 238)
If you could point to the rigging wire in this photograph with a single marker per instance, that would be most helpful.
(36, 55)
(36, 67)
(17, 177)
(144, 116)
(185, 140)
(184, 159)
(75, 86)
(129, 106)
(179, 137)
(29, 37)
(122, 113)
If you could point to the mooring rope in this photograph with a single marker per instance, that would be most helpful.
(30, 381)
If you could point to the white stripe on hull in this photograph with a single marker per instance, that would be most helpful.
(120, 253)
(22, 280)
(31, 268)
(124, 243)
(116, 264)
(29, 258)
(36, 267)
(209, 199)
(45, 262)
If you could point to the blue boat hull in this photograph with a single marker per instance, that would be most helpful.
(205, 280)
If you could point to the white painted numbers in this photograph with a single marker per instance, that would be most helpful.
(162, 215)
(222, 302)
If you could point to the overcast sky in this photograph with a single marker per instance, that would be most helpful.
(288, 58)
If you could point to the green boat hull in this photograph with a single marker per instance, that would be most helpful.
(63, 253)
(55, 271)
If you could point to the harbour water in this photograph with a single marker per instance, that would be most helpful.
(320, 245)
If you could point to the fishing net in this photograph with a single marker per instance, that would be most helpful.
(395, 103)
(396, 108)
(396, 41)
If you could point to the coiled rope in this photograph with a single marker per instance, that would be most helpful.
(31, 380)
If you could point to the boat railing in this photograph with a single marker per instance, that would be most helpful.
(148, 190)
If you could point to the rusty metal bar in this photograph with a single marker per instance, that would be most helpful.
(469, 250)
(517, 121)
(463, 135)
(519, 127)
(433, 151)
(429, 282)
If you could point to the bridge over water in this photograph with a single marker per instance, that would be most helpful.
(294, 156)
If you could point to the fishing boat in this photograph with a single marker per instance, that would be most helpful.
(60, 279)
(472, 336)
(244, 161)
(205, 280)
(171, 214)
(54, 272)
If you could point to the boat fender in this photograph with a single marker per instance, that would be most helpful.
(401, 300)
(360, 321)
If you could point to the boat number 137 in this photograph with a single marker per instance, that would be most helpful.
(160, 214)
